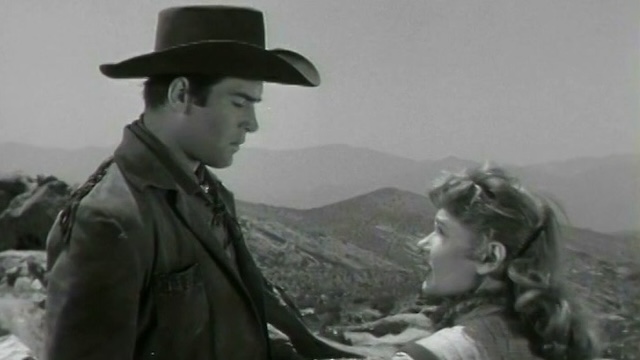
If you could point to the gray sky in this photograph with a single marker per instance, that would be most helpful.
(513, 81)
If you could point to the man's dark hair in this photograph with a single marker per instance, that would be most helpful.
(155, 88)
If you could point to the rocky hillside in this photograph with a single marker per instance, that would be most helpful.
(28, 207)
(387, 222)
(330, 270)
(22, 303)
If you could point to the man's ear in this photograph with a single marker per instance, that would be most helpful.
(494, 256)
(178, 97)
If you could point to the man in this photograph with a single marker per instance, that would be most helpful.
(148, 261)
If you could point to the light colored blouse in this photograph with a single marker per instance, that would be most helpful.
(485, 334)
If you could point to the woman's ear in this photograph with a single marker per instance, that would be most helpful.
(495, 255)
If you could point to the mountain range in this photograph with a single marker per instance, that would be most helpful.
(601, 194)
(388, 222)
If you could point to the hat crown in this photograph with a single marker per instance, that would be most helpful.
(183, 25)
(216, 40)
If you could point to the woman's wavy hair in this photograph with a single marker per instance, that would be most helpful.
(497, 207)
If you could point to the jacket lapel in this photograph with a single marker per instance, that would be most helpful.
(246, 265)
(251, 275)
(193, 214)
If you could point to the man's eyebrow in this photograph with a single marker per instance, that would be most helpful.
(246, 96)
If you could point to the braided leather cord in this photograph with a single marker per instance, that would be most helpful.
(68, 212)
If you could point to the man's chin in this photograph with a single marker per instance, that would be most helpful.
(221, 164)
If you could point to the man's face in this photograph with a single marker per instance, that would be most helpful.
(213, 132)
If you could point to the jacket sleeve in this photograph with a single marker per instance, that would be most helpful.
(282, 314)
(93, 290)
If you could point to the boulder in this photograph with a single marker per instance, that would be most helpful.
(36, 270)
(23, 270)
(359, 315)
(36, 285)
(11, 348)
(25, 223)
(12, 275)
(24, 320)
(12, 186)
(39, 299)
(22, 285)
(23, 262)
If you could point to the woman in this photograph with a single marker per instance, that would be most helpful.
(494, 261)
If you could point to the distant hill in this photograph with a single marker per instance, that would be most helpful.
(311, 177)
(601, 194)
(387, 222)
(70, 165)
(627, 234)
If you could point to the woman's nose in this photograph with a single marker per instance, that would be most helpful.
(425, 243)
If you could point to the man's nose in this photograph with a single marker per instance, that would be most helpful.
(251, 123)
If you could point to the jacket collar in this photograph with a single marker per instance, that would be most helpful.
(142, 165)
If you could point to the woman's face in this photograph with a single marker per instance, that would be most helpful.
(447, 252)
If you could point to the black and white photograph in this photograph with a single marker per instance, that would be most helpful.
(319, 180)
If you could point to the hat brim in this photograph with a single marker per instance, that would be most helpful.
(227, 58)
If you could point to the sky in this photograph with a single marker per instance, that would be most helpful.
(515, 81)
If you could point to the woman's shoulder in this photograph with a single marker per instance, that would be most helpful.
(451, 343)
(489, 335)
(500, 332)
(493, 326)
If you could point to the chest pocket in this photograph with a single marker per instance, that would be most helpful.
(182, 314)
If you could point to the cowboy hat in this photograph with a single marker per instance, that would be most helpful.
(215, 40)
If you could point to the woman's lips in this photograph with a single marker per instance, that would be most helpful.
(429, 267)
(428, 272)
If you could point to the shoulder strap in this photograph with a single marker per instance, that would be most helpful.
(67, 215)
